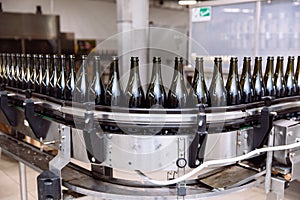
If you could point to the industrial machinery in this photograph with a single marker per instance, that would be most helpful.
(152, 153)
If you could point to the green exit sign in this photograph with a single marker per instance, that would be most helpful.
(201, 14)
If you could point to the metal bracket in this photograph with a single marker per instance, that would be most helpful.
(64, 152)
(94, 142)
(38, 125)
(277, 189)
(197, 147)
(7, 110)
(266, 123)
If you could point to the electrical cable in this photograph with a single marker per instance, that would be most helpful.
(218, 162)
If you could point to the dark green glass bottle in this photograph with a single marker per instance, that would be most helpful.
(233, 85)
(54, 76)
(199, 93)
(40, 74)
(279, 79)
(46, 77)
(291, 88)
(4, 75)
(217, 90)
(178, 94)
(23, 72)
(114, 94)
(61, 81)
(82, 83)
(134, 91)
(34, 73)
(7, 69)
(246, 85)
(97, 88)
(2, 59)
(156, 94)
(269, 78)
(28, 71)
(17, 71)
(70, 85)
(297, 75)
(11, 77)
(257, 82)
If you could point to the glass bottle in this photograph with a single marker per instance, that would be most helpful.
(82, 83)
(34, 73)
(70, 84)
(270, 89)
(156, 94)
(178, 95)
(279, 79)
(97, 88)
(233, 84)
(11, 77)
(46, 77)
(257, 82)
(114, 94)
(134, 91)
(23, 72)
(54, 76)
(28, 72)
(297, 75)
(4, 76)
(291, 88)
(199, 92)
(40, 75)
(61, 83)
(1, 67)
(17, 76)
(246, 86)
(7, 69)
(217, 90)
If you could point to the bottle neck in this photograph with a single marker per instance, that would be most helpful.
(290, 66)
(218, 68)
(246, 68)
(156, 71)
(270, 67)
(97, 68)
(257, 68)
(233, 68)
(279, 66)
(114, 68)
(179, 67)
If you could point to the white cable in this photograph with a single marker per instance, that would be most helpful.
(218, 162)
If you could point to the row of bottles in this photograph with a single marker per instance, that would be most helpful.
(44, 74)
(56, 76)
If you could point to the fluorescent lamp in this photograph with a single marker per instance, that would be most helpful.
(187, 2)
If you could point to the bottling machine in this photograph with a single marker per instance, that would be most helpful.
(152, 153)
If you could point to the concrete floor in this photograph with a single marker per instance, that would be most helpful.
(10, 189)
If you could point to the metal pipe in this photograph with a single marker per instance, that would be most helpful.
(23, 184)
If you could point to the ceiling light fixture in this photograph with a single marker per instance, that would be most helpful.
(187, 2)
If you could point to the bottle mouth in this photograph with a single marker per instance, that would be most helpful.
(258, 58)
(218, 59)
(28, 55)
(41, 56)
(115, 58)
(62, 56)
(247, 58)
(47, 56)
(35, 56)
(136, 59)
(233, 59)
(178, 59)
(199, 59)
(97, 57)
(83, 57)
(291, 57)
(270, 58)
(280, 58)
(156, 59)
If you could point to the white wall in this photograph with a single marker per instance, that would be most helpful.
(91, 18)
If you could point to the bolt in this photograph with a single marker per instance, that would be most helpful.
(93, 159)
(109, 136)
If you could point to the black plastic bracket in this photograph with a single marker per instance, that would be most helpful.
(48, 186)
(197, 147)
(7, 110)
(38, 125)
(94, 141)
(266, 123)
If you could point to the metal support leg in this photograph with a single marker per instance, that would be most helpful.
(277, 189)
(269, 163)
(23, 183)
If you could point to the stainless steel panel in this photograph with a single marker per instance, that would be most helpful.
(29, 26)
